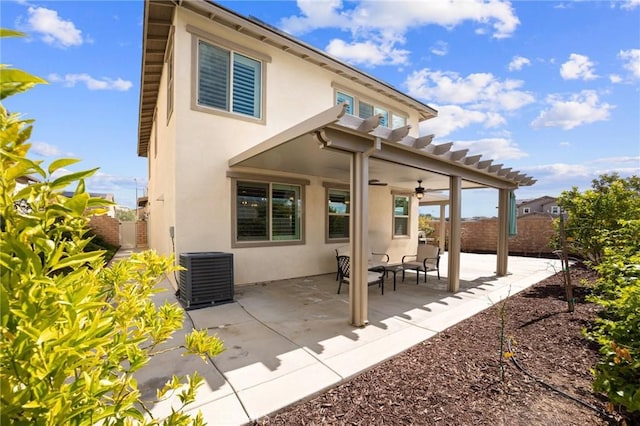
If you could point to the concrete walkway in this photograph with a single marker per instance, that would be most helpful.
(288, 340)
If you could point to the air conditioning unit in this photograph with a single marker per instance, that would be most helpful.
(207, 280)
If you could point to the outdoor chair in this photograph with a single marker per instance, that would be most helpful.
(427, 259)
(344, 269)
(375, 261)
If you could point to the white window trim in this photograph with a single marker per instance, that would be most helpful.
(526, 210)
(169, 59)
(241, 176)
(196, 35)
(337, 187)
(395, 236)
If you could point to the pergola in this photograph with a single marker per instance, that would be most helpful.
(334, 144)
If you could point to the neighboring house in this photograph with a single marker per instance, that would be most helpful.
(545, 204)
(262, 146)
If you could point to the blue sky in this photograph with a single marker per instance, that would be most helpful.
(548, 88)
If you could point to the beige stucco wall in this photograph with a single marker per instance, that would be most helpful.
(190, 168)
(161, 189)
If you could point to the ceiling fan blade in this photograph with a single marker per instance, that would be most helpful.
(376, 182)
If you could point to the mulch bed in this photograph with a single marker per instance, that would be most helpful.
(454, 378)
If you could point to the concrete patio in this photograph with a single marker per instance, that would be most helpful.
(288, 340)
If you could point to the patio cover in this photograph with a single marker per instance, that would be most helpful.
(335, 145)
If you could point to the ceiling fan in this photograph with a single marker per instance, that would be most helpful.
(376, 182)
(420, 190)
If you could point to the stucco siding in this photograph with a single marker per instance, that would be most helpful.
(190, 168)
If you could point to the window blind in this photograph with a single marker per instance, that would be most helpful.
(213, 76)
(246, 86)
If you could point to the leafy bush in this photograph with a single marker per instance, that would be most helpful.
(98, 243)
(73, 331)
(597, 211)
(617, 329)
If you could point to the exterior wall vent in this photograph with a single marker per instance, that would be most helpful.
(207, 280)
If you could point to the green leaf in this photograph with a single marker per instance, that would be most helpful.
(64, 181)
(78, 203)
(11, 75)
(77, 260)
(62, 162)
(4, 32)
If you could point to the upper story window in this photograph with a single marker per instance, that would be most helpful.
(401, 206)
(169, 56)
(338, 213)
(341, 98)
(526, 210)
(228, 80)
(364, 109)
(555, 209)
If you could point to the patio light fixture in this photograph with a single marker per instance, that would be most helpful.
(419, 190)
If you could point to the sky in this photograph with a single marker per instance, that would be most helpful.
(549, 88)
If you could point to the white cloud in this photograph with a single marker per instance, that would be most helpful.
(630, 4)
(498, 149)
(378, 15)
(518, 62)
(558, 171)
(367, 53)
(45, 150)
(316, 14)
(386, 23)
(578, 67)
(615, 78)
(578, 109)
(440, 48)
(634, 161)
(453, 117)
(478, 90)
(631, 61)
(70, 80)
(53, 29)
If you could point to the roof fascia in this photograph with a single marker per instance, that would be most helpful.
(271, 35)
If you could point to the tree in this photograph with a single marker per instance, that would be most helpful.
(74, 332)
(597, 211)
(424, 224)
(125, 215)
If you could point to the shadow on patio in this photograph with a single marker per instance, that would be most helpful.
(286, 340)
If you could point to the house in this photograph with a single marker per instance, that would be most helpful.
(545, 204)
(265, 147)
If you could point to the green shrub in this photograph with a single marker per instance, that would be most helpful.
(98, 243)
(73, 331)
(617, 328)
(597, 211)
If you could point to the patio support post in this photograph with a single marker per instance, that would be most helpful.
(358, 288)
(442, 231)
(503, 232)
(455, 212)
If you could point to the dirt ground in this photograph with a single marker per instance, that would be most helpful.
(456, 377)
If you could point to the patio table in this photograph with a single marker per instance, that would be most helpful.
(385, 268)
